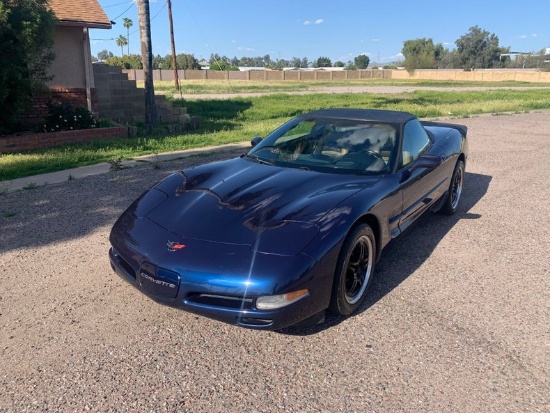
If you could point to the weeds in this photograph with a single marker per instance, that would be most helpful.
(116, 164)
(31, 185)
(155, 163)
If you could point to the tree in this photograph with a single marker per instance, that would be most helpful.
(322, 62)
(296, 62)
(267, 60)
(339, 64)
(280, 64)
(222, 65)
(126, 62)
(121, 41)
(144, 18)
(126, 22)
(479, 49)
(26, 50)
(449, 60)
(104, 55)
(217, 60)
(158, 62)
(361, 62)
(187, 62)
(422, 54)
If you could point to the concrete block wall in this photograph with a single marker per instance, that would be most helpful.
(487, 75)
(121, 100)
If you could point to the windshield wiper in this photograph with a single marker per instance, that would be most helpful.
(259, 160)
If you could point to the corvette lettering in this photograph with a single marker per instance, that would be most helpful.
(159, 282)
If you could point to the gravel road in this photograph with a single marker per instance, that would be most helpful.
(458, 319)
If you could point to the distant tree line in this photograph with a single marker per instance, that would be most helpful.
(477, 49)
(217, 62)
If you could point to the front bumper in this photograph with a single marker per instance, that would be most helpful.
(219, 281)
(213, 302)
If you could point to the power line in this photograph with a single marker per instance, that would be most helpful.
(135, 31)
(118, 4)
(124, 11)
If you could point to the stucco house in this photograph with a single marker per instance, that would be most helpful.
(104, 90)
(72, 70)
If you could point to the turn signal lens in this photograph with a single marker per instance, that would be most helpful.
(271, 302)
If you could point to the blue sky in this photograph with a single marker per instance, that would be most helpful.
(338, 29)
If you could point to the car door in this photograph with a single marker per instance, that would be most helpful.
(419, 185)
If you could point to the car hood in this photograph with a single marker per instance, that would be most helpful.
(234, 201)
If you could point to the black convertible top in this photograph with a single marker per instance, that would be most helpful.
(361, 114)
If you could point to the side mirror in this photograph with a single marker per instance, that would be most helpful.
(426, 161)
(256, 140)
(423, 161)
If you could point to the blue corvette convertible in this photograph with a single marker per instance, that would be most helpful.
(295, 227)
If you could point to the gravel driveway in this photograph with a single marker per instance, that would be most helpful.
(458, 319)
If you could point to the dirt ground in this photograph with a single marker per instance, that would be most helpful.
(458, 318)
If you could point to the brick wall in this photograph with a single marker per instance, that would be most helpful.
(39, 103)
(28, 142)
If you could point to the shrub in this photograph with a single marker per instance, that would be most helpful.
(27, 30)
(65, 117)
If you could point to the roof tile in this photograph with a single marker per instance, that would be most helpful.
(86, 12)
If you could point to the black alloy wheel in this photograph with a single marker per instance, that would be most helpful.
(354, 271)
(455, 190)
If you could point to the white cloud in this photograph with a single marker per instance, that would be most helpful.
(318, 21)
(375, 39)
(246, 49)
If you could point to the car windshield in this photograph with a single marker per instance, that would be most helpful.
(330, 145)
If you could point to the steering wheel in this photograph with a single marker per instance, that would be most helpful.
(363, 161)
(376, 155)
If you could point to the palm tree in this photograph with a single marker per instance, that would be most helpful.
(147, 60)
(126, 22)
(121, 41)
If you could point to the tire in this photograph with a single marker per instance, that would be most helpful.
(455, 190)
(354, 270)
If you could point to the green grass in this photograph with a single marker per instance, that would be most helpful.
(240, 119)
(192, 87)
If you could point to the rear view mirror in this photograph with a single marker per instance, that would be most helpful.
(256, 140)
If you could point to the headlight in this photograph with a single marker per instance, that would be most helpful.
(271, 302)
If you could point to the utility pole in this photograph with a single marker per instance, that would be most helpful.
(174, 63)
(151, 117)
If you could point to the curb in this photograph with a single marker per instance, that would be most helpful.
(102, 168)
